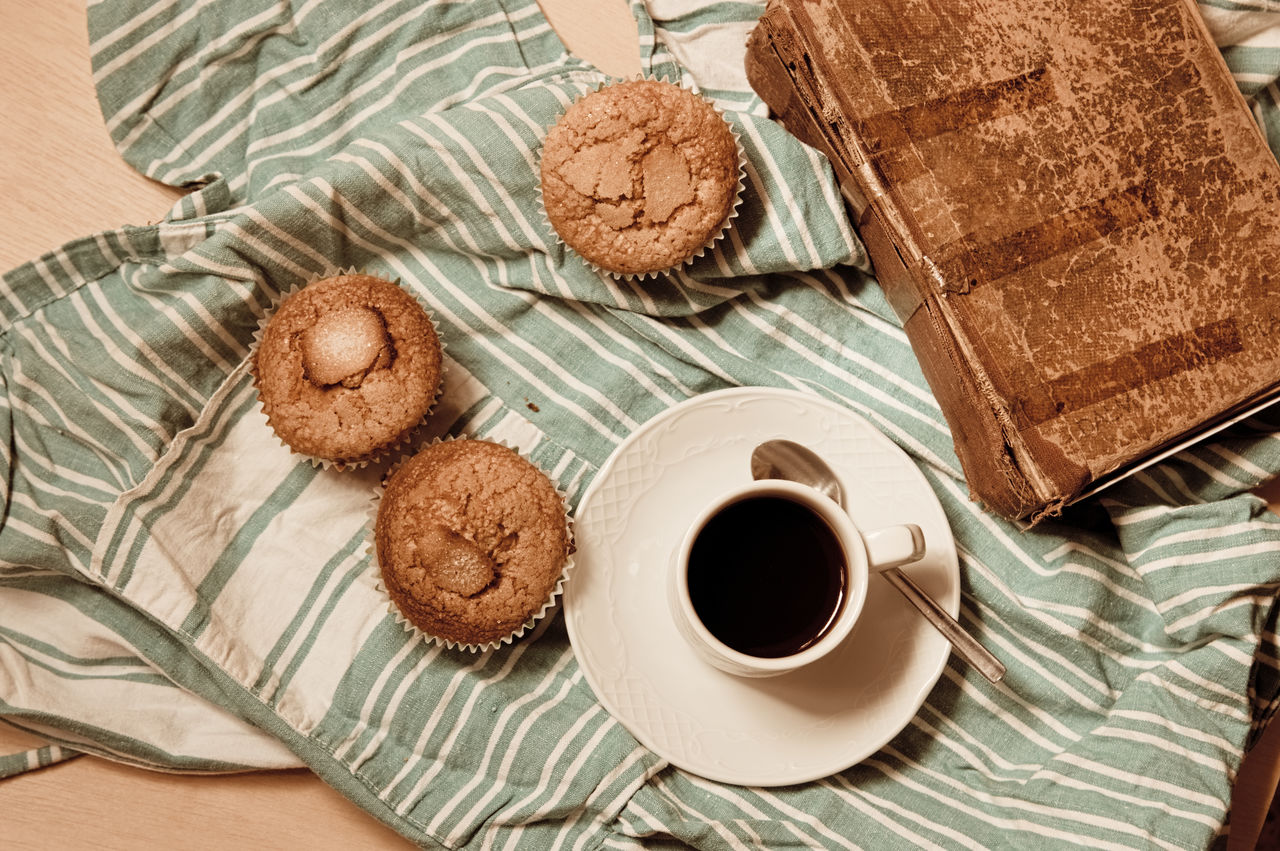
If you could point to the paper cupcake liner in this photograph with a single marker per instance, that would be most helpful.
(371, 548)
(715, 237)
(381, 453)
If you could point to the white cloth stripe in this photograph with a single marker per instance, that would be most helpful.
(1190, 560)
(139, 48)
(1135, 779)
(1177, 730)
(153, 360)
(425, 767)
(211, 56)
(1025, 817)
(127, 27)
(880, 808)
(1178, 691)
(344, 749)
(545, 693)
(266, 95)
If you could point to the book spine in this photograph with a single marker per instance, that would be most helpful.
(780, 69)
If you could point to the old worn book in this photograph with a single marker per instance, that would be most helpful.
(1068, 204)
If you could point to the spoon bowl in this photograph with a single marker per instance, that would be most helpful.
(786, 459)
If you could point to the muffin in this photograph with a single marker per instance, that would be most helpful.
(472, 542)
(347, 367)
(640, 176)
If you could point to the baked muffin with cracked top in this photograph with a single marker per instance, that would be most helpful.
(347, 367)
(472, 542)
(639, 176)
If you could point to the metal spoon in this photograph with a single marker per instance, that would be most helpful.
(785, 459)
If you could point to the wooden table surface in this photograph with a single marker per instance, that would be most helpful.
(60, 178)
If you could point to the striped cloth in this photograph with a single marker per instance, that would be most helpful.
(177, 591)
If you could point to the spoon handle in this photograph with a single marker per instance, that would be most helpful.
(966, 646)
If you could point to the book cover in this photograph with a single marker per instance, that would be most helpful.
(1070, 207)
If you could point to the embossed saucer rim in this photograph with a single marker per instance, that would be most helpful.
(780, 731)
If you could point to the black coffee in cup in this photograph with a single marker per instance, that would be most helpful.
(767, 576)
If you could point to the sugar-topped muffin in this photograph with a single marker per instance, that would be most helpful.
(347, 368)
(472, 542)
(639, 176)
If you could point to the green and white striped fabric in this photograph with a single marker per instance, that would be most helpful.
(176, 590)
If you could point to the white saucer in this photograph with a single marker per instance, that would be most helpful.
(772, 732)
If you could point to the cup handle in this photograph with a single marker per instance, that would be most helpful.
(894, 546)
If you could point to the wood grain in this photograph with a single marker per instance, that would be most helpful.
(60, 176)
(92, 803)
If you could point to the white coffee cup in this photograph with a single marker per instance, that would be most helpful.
(772, 576)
